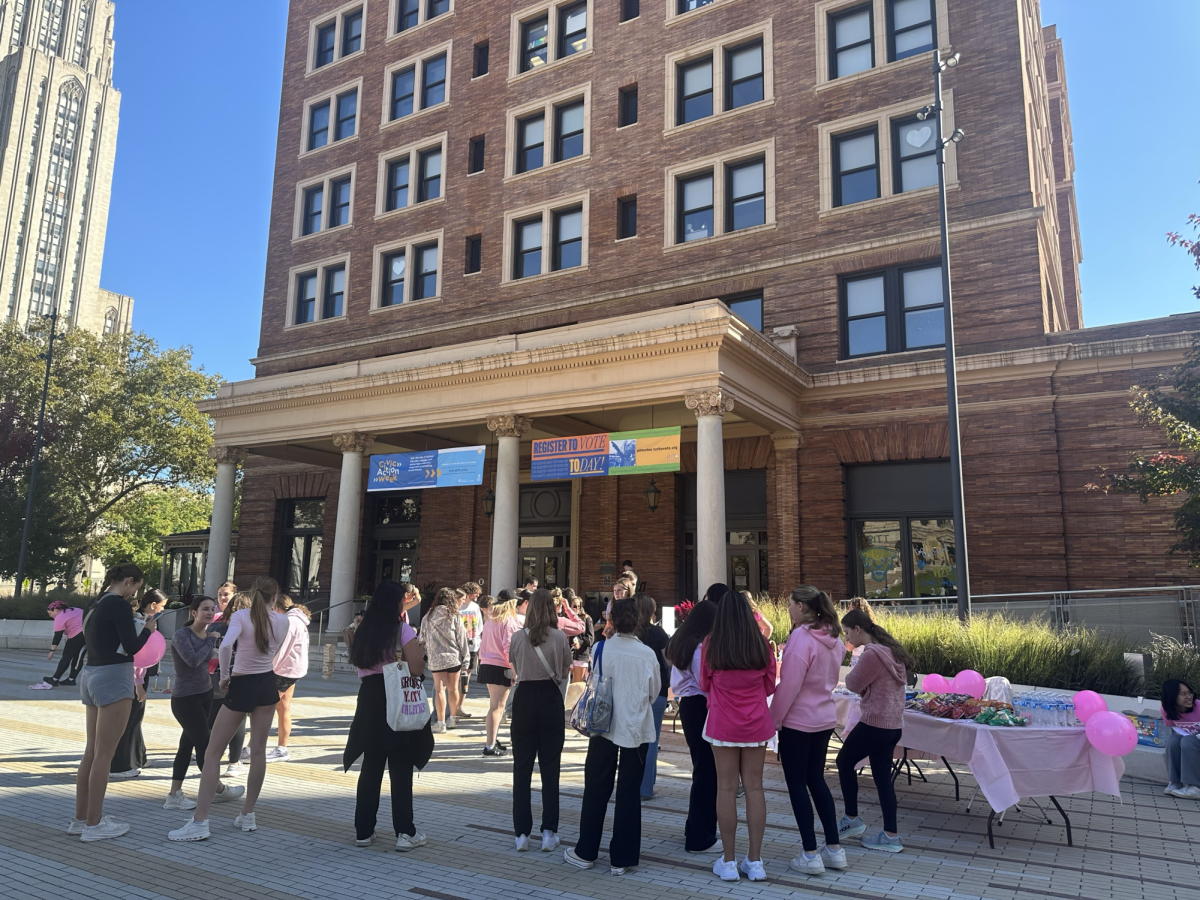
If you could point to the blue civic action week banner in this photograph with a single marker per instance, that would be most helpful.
(618, 453)
(456, 467)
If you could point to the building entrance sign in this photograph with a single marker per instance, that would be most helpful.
(617, 453)
(456, 467)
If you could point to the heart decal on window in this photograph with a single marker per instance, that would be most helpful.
(917, 137)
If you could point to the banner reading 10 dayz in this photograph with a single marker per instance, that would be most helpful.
(456, 467)
(619, 453)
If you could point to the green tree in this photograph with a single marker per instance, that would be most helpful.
(132, 530)
(124, 419)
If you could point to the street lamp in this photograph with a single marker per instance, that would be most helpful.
(489, 503)
(652, 494)
(962, 579)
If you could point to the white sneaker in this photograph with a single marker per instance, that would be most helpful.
(405, 843)
(522, 843)
(451, 722)
(570, 856)
(616, 870)
(549, 841)
(234, 770)
(245, 754)
(810, 865)
(278, 754)
(103, 830)
(439, 727)
(834, 859)
(76, 827)
(365, 842)
(1187, 792)
(1170, 789)
(128, 773)
(726, 870)
(245, 822)
(179, 800)
(753, 869)
(192, 831)
(231, 792)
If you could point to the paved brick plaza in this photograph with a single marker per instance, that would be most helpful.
(304, 844)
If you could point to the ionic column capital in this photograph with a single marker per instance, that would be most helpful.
(509, 426)
(353, 441)
(713, 402)
(228, 455)
(787, 440)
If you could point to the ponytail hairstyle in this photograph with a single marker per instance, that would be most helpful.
(736, 642)
(691, 634)
(262, 602)
(502, 610)
(120, 573)
(197, 601)
(856, 618)
(152, 596)
(820, 605)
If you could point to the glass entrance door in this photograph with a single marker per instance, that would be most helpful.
(546, 558)
(746, 559)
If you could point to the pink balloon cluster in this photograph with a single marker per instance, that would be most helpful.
(1109, 732)
(968, 681)
(152, 651)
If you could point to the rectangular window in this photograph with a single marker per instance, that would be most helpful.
(851, 42)
(627, 112)
(335, 291)
(908, 556)
(313, 202)
(433, 81)
(630, 9)
(893, 310)
(921, 298)
(910, 28)
(425, 285)
(397, 186)
(915, 149)
(866, 316)
(306, 298)
(528, 246)
(339, 207)
(474, 262)
(403, 86)
(568, 239)
(326, 43)
(347, 113)
(744, 75)
(431, 175)
(572, 29)
(352, 33)
(393, 279)
(746, 203)
(318, 125)
(408, 14)
(535, 46)
(695, 220)
(475, 155)
(856, 167)
(300, 544)
(749, 310)
(689, 5)
(695, 91)
(481, 60)
(531, 143)
(438, 8)
(627, 217)
(568, 131)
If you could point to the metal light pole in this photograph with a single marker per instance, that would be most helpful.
(963, 579)
(37, 452)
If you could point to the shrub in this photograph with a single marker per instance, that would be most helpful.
(775, 611)
(33, 605)
(1173, 659)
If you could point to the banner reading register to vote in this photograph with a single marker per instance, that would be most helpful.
(618, 453)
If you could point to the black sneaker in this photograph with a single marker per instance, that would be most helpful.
(498, 750)
(501, 747)
(67, 682)
(53, 682)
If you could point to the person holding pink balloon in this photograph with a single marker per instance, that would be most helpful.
(106, 688)
(1183, 751)
(130, 756)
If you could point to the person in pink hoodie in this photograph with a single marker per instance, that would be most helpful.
(291, 664)
(737, 671)
(804, 715)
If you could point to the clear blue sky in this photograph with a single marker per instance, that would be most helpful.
(187, 232)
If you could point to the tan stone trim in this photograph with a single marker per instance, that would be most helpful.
(417, 62)
(319, 266)
(413, 151)
(353, 441)
(551, 10)
(916, 413)
(787, 440)
(713, 402)
(331, 95)
(509, 425)
(408, 245)
(228, 455)
(674, 16)
(546, 212)
(422, 19)
(325, 181)
(717, 165)
(879, 29)
(716, 49)
(339, 17)
(547, 107)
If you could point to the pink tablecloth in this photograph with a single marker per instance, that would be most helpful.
(1008, 763)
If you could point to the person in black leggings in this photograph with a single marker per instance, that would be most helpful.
(66, 619)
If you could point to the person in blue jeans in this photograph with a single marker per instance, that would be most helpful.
(652, 635)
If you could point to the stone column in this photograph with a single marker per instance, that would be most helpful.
(506, 520)
(349, 523)
(784, 560)
(216, 558)
(710, 407)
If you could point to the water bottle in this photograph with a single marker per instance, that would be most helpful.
(1072, 722)
(1060, 711)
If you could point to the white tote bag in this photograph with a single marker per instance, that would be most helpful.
(407, 706)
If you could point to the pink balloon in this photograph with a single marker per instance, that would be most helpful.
(152, 651)
(936, 684)
(1111, 733)
(1087, 704)
(968, 682)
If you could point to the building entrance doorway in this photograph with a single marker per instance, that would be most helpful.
(545, 541)
(746, 555)
(546, 558)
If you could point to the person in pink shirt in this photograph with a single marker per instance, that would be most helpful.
(68, 622)
(804, 715)
(291, 664)
(1182, 751)
(494, 668)
(737, 671)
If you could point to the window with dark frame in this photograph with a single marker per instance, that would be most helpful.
(482, 51)
(318, 125)
(695, 91)
(914, 146)
(352, 33)
(748, 309)
(689, 5)
(744, 75)
(437, 8)
(911, 28)
(627, 217)
(630, 9)
(408, 14)
(572, 29)
(527, 246)
(695, 200)
(851, 41)
(474, 261)
(326, 45)
(335, 291)
(430, 168)
(855, 167)
(627, 112)
(535, 43)
(404, 85)
(347, 115)
(433, 81)
(397, 184)
(313, 202)
(475, 152)
(746, 197)
(306, 298)
(568, 128)
(425, 285)
(899, 555)
(892, 310)
(531, 143)
(393, 279)
(300, 545)
(339, 202)
(568, 239)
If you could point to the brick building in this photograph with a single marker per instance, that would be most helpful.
(491, 226)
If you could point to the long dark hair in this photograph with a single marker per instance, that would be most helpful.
(736, 642)
(262, 604)
(820, 604)
(375, 637)
(119, 573)
(716, 592)
(856, 618)
(540, 616)
(1170, 698)
(154, 595)
(196, 603)
(647, 608)
(691, 634)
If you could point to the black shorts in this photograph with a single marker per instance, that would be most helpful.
(489, 674)
(284, 683)
(248, 692)
(447, 671)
